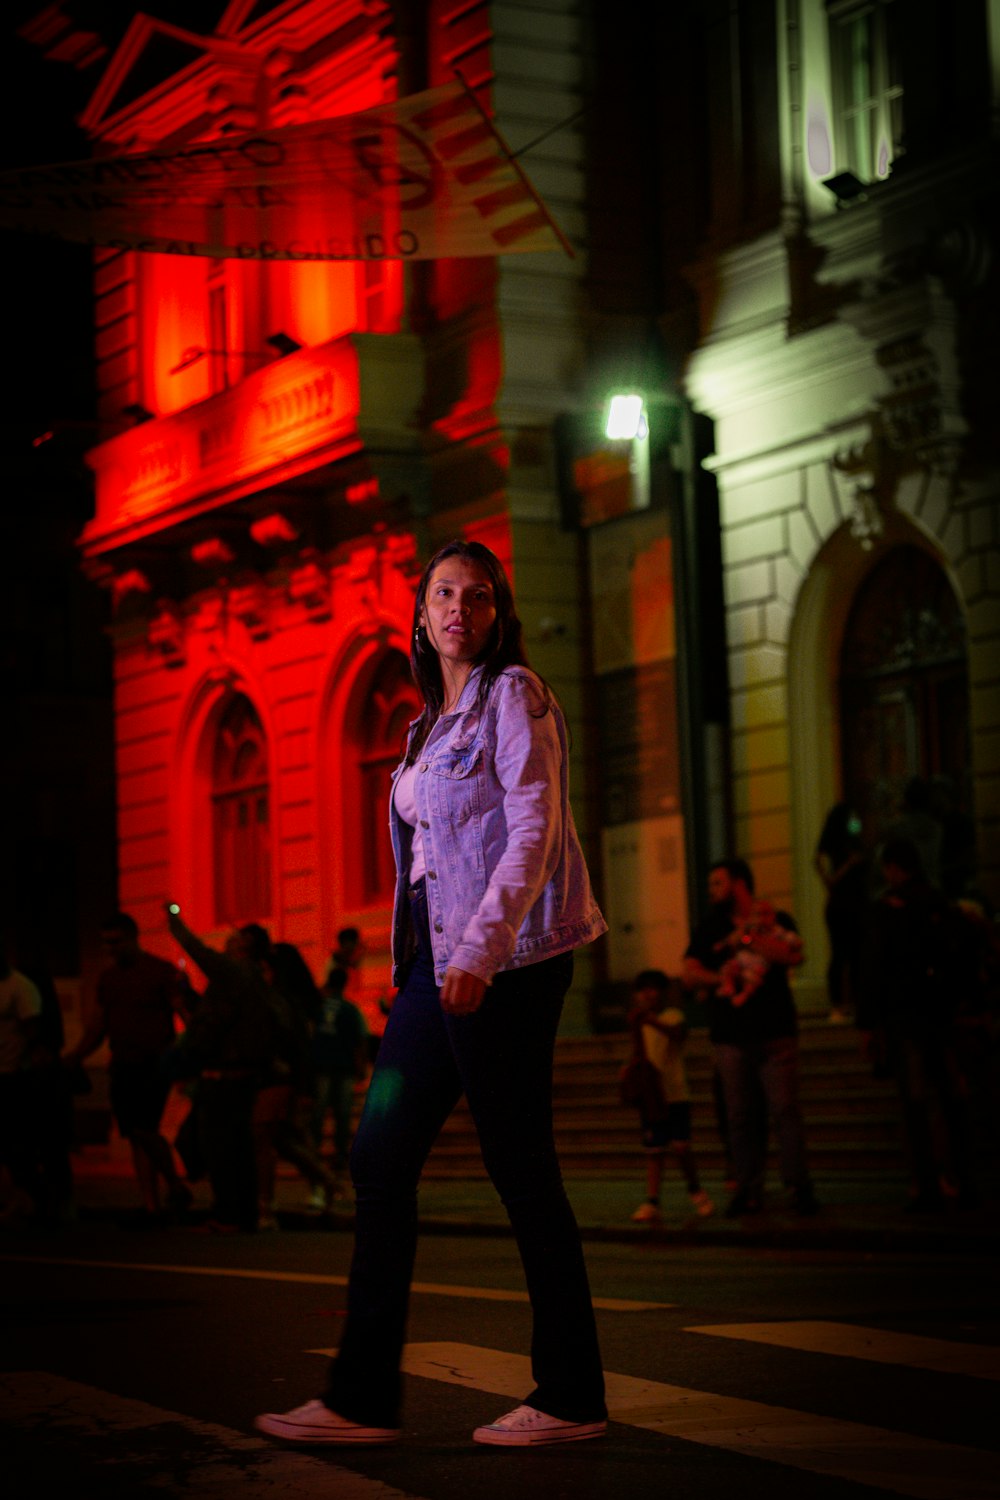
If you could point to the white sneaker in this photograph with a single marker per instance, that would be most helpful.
(647, 1213)
(524, 1427)
(702, 1204)
(316, 1423)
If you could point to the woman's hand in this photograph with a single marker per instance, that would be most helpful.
(462, 993)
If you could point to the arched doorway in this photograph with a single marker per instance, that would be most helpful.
(904, 688)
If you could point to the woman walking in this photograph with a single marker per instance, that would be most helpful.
(492, 896)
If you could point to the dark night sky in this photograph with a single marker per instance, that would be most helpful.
(55, 668)
(51, 629)
(46, 285)
(47, 308)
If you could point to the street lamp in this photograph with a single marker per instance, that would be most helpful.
(626, 418)
(664, 470)
(626, 422)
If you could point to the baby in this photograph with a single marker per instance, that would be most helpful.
(743, 974)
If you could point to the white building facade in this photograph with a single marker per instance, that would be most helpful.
(842, 357)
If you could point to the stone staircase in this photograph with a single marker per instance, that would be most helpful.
(852, 1119)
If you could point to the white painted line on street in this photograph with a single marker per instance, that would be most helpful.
(875, 1456)
(879, 1344)
(307, 1278)
(104, 1431)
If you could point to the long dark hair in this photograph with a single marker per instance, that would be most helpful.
(504, 648)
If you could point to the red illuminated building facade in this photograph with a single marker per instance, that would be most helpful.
(304, 434)
(783, 592)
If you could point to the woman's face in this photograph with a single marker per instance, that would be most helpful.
(459, 610)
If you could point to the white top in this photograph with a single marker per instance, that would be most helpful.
(406, 807)
(666, 1054)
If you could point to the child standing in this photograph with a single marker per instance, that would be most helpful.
(659, 1033)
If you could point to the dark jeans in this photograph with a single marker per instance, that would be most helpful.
(745, 1071)
(846, 929)
(225, 1116)
(757, 1104)
(53, 1133)
(934, 1111)
(139, 1093)
(334, 1092)
(501, 1057)
(17, 1136)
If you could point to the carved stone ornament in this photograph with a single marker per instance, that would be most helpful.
(214, 551)
(309, 585)
(273, 530)
(211, 614)
(132, 581)
(920, 416)
(165, 634)
(867, 521)
(401, 551)
(915, 428)
(875, 468)
(249, 604)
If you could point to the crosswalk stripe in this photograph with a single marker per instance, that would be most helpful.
(897, 1461)
(132, 1440)
(309, 1278)
(879, 1344)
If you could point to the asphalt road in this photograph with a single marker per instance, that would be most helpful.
(133, 1364)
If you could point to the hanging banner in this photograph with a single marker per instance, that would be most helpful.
(415, 179)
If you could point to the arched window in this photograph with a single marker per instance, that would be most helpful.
(391, 702)
(241, 817)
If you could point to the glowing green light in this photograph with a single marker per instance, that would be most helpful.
(385, 1088)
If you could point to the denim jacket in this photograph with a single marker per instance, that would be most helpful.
(506, 880)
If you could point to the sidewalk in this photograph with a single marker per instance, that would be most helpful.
(856, 1214)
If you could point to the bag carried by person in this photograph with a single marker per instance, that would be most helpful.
(639, 1083)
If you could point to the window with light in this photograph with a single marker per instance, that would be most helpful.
(867, 85)
(241, 817)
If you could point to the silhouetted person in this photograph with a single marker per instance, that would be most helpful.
(137, 999)
(21, 1051)
(754, 1032)
(339, 1050)
(914, 978)
(231, 1040)
(349, 951)
(51, 1102)
(659, 1033)
(917, 823)
(348, 955)
(283, 1105)
(843, 868)
(958, 838)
